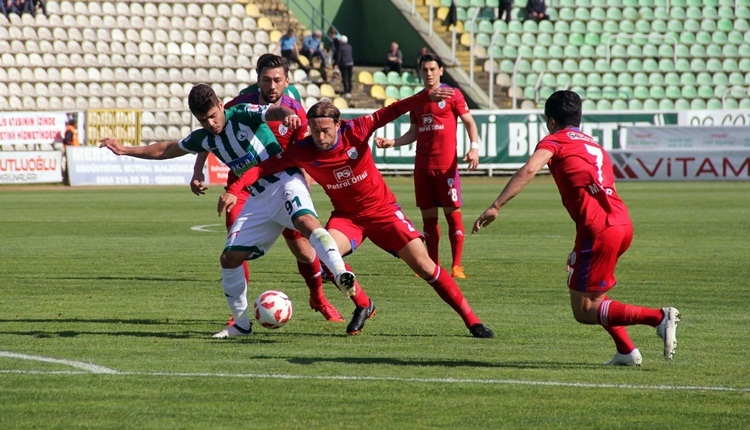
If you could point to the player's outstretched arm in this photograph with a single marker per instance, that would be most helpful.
(389, 113)
(156, 151)
(517, 183)
(405, 139)
(198, 181)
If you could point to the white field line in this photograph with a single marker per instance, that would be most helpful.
(209, 228)
(90, 368)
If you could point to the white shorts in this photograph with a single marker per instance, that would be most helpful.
(268, 212)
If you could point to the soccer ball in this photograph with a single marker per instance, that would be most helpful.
(272, 309)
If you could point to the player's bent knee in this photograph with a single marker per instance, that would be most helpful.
(231, 260)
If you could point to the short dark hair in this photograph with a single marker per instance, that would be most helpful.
(426, 58)
(324, 109)
(271, 61)
(564, 107)
(202, 98)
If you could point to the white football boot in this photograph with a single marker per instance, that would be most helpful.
(667, 330)
(631, 359)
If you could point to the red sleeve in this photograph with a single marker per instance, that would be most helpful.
(268, 167)
(242, 98)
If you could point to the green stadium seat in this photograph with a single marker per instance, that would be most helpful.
(405, 91)
(635, 104)
(724, 24)
(394, 78)
(673, 92)
(522, 80)
(672, 78)
(619, 105)
(599, 3)
(604, 104)
(714, 65)
(576, 39)
(624, 79)
(544, 39)
(646, 13)
(610, 92)
(578, 79)
(642, 26)
(705, 91)
(679, 3)
(691, 25)
(549, 80)
(483, 39)
(582, 13)
(698, 64)
(524, 66)
(587, 51)
(529, 93)
(562, 27)
(675, 25)
(410, 78)
(714, 104)
(506, 65)
(693, 12)
(651, 65)
(664, 50)
(630, 13)
(719, 91)
(563, 80)
(704, 78)
(743, 12)
(539, 65)
(515, 27)
(659, 26)
(588, 105)
(681, 104)
(486, 27)
(666, 104)
(730, 65)
(528, 39)
(614, 13)
(709, 12)
(546, 26)
(667, 65)
(688, 78)
(594, 78)
(634, 65)
(744, 50)
(686, 39)
(540, 51)
(657, 92)
(735, 37)
(609, 79)
(611, 27)
(719, 38)
(566, 14)
(510, 51)
(745, 103)
(627, 26)
(618, 51)
(703, 37)
(736, 79)
(682, 65)
(578, 27)
(710, 25)
(586, 65)
(570, 65)
(730, 104)
(392, 91)
(618, 65)
(513, 39)
(594, 27)
(530, 26)
(571, 51)
(698, 51)
(726, 12)
(650, 104)
(641, 92)
(661, 13)
(744, 65)
(655, 78)
(634, 51)
(379, 78)
(677, 12)
(556, 51)
(500, 25)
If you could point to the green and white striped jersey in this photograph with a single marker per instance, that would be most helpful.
(245, 141)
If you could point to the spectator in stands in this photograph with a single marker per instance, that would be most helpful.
(70, 138)
(393, 59)
(16, 6)
(5, 6)
(33, 5)
(333, 36)
(311, 48)
(289, 49)
(503, 9)
(536, 10)
(344, 62)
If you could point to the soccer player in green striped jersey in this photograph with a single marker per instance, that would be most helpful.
(240, 138)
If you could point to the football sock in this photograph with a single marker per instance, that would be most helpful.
(327, 250)
(456, 233)
(312, 273)
(432, 238)
(235, 289)
(448, 290)
(360, 298)
(613, 313)
(622, 341)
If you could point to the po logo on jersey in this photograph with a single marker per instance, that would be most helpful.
(241, 135)
(352, 153)
(441, 104)
(427, 119)
(343, 174)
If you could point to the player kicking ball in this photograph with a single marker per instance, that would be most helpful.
(337, 155)
(583, 173)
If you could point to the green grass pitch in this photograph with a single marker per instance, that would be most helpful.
(108, 298)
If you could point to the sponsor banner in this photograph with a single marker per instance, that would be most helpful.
(714, 118)
(678, 137)
(95, 166)
(507, 138)
(680, 165)
(37, 167)
(217, 171)
(23, 128)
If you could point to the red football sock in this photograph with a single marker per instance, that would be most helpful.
(622, 341)
(456, 233)
(360, 297)
(449, 291)
(432, 238)
(613, 313)
(311, 272)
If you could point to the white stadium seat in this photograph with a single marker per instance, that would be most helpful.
(81, 89)
(136, 9)
(179, 9)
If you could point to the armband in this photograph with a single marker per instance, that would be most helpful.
(474, 145)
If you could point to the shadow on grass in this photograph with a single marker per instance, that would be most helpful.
(438, 363)
(127, 278)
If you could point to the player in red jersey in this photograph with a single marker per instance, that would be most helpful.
(273, 79)
(337, 155)
(436, 178)
(582, 171)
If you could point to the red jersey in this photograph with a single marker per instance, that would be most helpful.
(347, 171)
(583, 173)
(436, 132)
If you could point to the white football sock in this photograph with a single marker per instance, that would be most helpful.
(327, 250)
(235, 288)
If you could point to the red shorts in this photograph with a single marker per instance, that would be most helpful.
(390, 231)
(591, 265)
(237, 210)
(437, 188)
